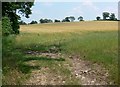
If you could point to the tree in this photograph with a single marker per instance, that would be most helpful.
(10, 9)
(112, 16)
(80, 18)
(66, 19)
(57, 20)
(105, 15)
(63, 20)
(41, 21)
(49, 21)
(98, 18)
(71, 18)
(33, 22)
(45, 21)
(22, 23)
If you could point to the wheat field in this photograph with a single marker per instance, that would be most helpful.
(70, 27)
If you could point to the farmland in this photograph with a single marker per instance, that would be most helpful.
(56, 53)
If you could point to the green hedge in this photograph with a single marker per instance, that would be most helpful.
(6, 26)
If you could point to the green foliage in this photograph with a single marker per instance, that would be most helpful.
(71, 18)
(105, 15)
(22, 23)
(0, 54)
(13, 68)
(112, 17)
(66, 19)
(33, 22)
(45, 21)
(80, 18)
(10, 9)
(57, 20)
(6, 26)
(98, 18)
(100, 47)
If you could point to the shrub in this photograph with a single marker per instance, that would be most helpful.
(6, 26)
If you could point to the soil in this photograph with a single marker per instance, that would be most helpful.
(42, 77)
(87, 72)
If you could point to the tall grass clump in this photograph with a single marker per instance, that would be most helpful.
(98, 47)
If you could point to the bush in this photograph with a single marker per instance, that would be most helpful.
(6, 26)
(33, 22)
(57, 20)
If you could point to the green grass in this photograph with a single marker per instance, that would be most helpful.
(0, 54)
(15, 60)
(100, 47)
(96, 46)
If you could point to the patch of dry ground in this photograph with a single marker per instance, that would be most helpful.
(89, 73)
(86, 72)
(44, 77)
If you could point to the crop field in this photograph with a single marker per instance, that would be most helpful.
(63, 54)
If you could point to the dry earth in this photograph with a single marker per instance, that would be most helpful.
(86, 72)
(89, 73)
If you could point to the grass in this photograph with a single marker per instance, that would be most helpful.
(0, 54)
(93, 41)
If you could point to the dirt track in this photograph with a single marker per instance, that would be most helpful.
(86, 72)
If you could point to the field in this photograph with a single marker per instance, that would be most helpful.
(56, 53)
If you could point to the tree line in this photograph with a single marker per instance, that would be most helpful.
(106, 16)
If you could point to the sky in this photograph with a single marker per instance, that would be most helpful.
(59, 10)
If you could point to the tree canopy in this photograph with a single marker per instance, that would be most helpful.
(112, 16)
(98, 18)
(71, 18)
(33, 22)
(45, 21)
(105, 15)
(80, 18)
(10, 10)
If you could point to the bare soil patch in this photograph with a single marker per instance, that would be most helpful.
(86, 72)
(45, 54)
(44, 77)
(89, 73)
